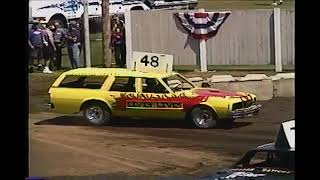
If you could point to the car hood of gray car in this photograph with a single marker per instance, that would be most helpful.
(251, 173)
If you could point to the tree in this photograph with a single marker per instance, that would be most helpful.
(106, 33)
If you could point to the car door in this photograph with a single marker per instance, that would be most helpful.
(154, 100)
(121, 89)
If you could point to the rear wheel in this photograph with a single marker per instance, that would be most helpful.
(97, 114)
(203, 117)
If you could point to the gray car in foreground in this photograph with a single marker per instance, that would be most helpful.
(270, 161)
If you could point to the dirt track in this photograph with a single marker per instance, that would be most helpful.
(65, 145)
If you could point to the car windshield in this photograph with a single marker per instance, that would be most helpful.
(177, 83)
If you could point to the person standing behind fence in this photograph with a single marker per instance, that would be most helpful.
(48, 49)
(58, 38)
(73, 39)
(80, 29)
(35, 42)
(119, 47)
(117, 23)
(275, 4)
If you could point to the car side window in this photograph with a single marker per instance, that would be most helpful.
(88, 82)
(123, 84)
(152, 85)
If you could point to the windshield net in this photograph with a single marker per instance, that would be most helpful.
(177, 83)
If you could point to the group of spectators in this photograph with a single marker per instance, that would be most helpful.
(46, 43)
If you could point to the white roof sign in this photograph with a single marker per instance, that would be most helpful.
(152, 62)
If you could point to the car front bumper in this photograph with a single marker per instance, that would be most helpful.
(246, 112)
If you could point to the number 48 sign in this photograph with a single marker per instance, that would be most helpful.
(152, 62)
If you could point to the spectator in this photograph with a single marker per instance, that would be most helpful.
(275, 4)
(48, 49)
(80, 29)
(30, 63)
(117, 23)
(35, 42)
(119, 47)
(58, 38)
(73, 40)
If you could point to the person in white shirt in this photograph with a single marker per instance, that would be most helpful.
(48, 49)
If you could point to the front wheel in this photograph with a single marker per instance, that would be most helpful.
(97, 114)
(203, 117)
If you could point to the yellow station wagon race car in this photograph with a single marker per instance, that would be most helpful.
(105, 93)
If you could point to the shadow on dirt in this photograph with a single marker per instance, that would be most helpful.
(65, 121)
(138, 123)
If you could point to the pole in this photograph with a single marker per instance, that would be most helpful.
(106, 33)
(127, 17)
(277, 39)
(86, 34)
(203, 52)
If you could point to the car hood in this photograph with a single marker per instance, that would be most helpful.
(238, 174)
(218, 93)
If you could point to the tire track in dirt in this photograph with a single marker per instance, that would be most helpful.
(156, 154)
(86, 152)
(186, 160)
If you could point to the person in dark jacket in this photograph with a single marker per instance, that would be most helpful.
(58, 37)
(79, 27)
(73, 41)
(118, 44)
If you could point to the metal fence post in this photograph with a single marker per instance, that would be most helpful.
(277, 39)
(86, 34)
(127, 18)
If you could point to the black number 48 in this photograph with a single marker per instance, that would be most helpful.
(154, 61)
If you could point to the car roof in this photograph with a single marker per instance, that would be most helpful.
(115, 72)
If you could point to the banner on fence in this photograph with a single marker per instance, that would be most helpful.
(202, 25)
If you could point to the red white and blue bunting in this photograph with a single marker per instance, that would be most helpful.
(202, 25)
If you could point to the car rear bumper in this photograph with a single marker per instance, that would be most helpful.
(246, 112)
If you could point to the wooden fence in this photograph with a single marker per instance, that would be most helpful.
(246, 37)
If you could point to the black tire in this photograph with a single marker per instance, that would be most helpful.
(97, 114)
(203, 117)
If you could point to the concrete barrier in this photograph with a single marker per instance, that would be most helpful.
(221, 78)
(280, 85)
(284, 88)
(262, 89)
(254, 77)
(283, 76)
